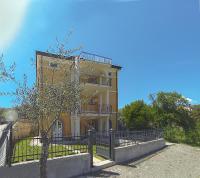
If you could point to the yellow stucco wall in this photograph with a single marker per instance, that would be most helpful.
(45, 75)
(23, 129)
(66, 124)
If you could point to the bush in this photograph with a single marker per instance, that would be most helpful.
(174, 134)
(193, 137)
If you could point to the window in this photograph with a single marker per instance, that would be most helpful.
(92, 101)
(53, 65)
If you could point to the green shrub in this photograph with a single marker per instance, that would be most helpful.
(193, 137)
(174, 134)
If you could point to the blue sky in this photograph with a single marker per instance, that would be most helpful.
(157, 42)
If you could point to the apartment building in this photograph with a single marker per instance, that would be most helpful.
(100, 87)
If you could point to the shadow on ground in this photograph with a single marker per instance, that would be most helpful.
(102, 173)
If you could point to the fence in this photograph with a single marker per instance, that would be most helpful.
(124, 138)
(29, 147)
(4, 143)
(106, 142)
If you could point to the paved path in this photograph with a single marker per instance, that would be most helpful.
(176, 161)
(2, 127)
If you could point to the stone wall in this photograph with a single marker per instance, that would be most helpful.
(126, 153)
(67, 166)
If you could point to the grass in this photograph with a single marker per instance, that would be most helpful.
(95, 154)
(24, 151)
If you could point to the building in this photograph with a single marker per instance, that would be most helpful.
(101, 87)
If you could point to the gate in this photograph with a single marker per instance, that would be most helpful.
(103, 142)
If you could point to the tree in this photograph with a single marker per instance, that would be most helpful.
(1, 115)
(138, 115)
(6, 75)
(44, 105)
(195, 113)
(171, 109)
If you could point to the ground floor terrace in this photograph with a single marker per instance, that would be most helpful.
(80, 124)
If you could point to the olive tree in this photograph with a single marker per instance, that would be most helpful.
(45, 105)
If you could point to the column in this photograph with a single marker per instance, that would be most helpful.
(100, 102)
(72, 126)
(75, 118)
(100, 123)
(107, 101)
(107, 124)
(75, 126)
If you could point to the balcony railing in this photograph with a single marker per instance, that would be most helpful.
(96, 109)
(106, 81)
(95, 58)
(97, 80)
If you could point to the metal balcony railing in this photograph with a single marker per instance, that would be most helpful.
(97, 80)
(96, 108)
(106, 81)
(95, 58)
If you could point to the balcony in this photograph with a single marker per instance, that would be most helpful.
(95, 58)
(96, 109)
(100, 81)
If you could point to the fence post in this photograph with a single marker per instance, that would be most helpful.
(112, 144)
(90, 146)
(9, 147)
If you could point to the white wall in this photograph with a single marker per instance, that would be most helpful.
(126, 153)
(63, 167)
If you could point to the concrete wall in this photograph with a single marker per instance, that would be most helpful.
(135, 151)
(63, 167)
(22, 128)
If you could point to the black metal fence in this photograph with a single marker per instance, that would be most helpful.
(105, 142)
(102, 142)
(4, 143)
(30, 148)
(124, 138)
(26, 147)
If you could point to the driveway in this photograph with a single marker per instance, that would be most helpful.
(2, 127)
(175, 161)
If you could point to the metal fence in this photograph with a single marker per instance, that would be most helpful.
(4, 143)
(26, 146)
(124, 138)
(30, 148)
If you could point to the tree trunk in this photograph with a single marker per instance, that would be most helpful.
(44, 155)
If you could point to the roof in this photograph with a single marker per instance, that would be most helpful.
(68, 57)
(116, 67)
(54, 55)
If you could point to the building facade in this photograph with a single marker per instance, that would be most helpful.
(99, 80)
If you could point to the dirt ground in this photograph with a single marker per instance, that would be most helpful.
(175, 161)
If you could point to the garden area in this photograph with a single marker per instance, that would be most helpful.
(30, 149)
(169, 111)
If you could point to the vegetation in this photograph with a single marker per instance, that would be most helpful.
(45, 105)
(1, 115)
(170, 111)
(138, 115)
(25, 150)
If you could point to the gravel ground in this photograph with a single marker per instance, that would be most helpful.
(175, 161)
